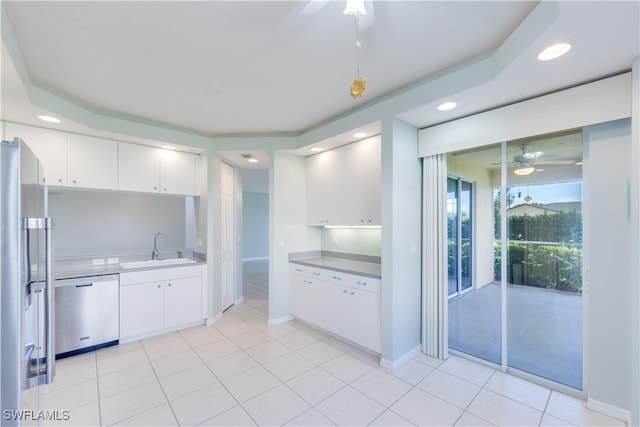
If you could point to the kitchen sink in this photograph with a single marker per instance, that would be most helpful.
(157, 262)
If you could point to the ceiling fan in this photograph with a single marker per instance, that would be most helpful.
(524, 162)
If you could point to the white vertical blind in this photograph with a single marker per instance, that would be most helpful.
(434, 241)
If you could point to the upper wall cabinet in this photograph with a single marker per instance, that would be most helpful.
(343, 185)
(138, 167)
(92, 162)
(178, 172)
(72, 160)
(150, 169)
(49, 146)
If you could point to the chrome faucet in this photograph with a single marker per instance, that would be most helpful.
(154, 254)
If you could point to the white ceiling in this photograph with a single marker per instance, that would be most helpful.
(225, 68)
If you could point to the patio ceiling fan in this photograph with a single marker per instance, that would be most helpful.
(525, 161)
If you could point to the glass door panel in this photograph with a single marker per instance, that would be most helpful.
(544, 290)
(474, 311)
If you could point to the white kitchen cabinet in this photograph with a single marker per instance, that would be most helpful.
(323, 201)
(92, 162)
(141, 309)
(138, 168)
(182, 301)
(177, 172)
(50, 146)
(343, 185)
(364, 310)
(155, 170)
(160, 300)
(346, 305)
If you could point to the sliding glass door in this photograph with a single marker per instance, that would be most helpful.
(544, 252)
(519, 303)
(474, 310)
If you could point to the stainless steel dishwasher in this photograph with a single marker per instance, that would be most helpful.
(86, 314)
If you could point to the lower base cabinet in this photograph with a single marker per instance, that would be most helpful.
(155, 300)
(344, 304)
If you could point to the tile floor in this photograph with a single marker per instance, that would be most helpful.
(241, 372)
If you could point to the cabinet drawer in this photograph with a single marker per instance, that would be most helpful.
(159, 274)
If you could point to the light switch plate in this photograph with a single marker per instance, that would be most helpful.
(113, 260)
(97, 261)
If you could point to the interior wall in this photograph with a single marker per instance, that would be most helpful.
(361, 241)
(255, 225)
(400, 306)
(482, 215)
(287, 230)
(96, 223)
(607, 260)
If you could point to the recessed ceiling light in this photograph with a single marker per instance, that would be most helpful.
(252, 160)
(168, 147)
(359, 135)
(49, 119)
(316, 149)
(554, 51)
(447, 106)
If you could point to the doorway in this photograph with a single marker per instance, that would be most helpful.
(459, 236)
(228, 262)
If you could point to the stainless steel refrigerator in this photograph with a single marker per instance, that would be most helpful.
(27, 297)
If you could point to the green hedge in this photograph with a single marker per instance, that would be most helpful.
(550, 266)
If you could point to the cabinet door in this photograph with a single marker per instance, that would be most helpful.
(49, 146)
(365, 319)
(92, 162)
(141, 309)
(363, 172)
(182, 301)
(325, 200)
(305, 299)
(335, 302)
(138, 167)
(177, 172)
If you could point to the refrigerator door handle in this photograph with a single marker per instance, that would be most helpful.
(46, 374)
(50, 301)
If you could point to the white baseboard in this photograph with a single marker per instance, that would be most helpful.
(214, 319)
(259, 258)
(610, 410)
(392, 365)
(238, 300)
(279, 320)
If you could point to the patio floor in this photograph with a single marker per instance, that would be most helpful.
(544, 330)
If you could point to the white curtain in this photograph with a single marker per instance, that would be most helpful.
(434, 266)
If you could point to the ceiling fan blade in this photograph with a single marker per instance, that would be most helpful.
(555, 162)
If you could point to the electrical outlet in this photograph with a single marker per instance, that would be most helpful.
(113, 260)
(97, 261)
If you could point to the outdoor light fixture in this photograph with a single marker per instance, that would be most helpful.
(524, 171)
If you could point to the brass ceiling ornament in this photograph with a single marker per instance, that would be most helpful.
(356, 8)
(358, 87)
